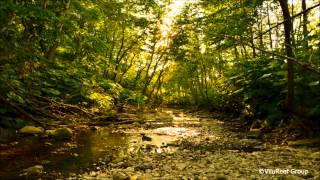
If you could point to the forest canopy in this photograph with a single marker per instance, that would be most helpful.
(260, 58)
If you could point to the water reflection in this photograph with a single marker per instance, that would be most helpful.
(101, 145)
(63, 158)
(106, 144)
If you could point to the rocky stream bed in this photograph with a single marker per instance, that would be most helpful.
(164, 144)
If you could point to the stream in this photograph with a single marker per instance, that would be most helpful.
(167, 144)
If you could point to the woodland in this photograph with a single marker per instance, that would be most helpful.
(76, 62)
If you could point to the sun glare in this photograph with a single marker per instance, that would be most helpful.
(174, 9)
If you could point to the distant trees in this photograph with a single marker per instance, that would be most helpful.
(238, 57)
(225, 55)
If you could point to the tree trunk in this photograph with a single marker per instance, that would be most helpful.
(292, 23)
(289, 52)
(154, 69)
(270, 33)
(260, 25)
(252, 42)
(305, 23)
(236, 54)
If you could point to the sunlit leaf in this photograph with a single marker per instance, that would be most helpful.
(238, 91)
(315, 83)
(265, 76)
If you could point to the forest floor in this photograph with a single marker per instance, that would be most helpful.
(162, 144)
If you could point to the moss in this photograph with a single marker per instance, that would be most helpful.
(63, 133)
(31, 130)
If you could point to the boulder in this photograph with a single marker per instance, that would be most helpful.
(34, 170)
(50, 132)
(60, 133)
(63, 133)
(31, 130)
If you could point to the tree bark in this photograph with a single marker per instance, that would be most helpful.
(288, 45)
(236, 54)
(117, 59)
(293, 41)
(305, 22)
(280, 23)
(270, 34)
(252, 42)
(260, 27)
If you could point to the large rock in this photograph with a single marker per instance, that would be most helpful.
(31, 130)
(50, 132)
(34, 170)
(60, 133)
(63, 133)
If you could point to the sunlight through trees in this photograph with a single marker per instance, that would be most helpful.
(222, 55)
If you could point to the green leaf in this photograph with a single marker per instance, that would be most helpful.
(265, 76)
(281, 73)
(238, 91)
(234, 77)
(315, 83)
(14, 97)
(51, 91)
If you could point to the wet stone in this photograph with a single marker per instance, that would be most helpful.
(34, 170)
(31, 130)
(206, 150)
(144, 167)
(120, 176)
(254, 134)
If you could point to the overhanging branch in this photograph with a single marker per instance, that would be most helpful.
(280, 23)
(294, 60)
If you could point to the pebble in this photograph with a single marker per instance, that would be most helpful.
(208, 158)
(120, 176)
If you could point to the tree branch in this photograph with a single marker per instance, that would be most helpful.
(294, 60)
(20, 110)
(280, 23)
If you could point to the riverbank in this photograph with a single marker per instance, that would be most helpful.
(162, 144)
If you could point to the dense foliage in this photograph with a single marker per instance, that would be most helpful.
(71, 56)
(233, 57)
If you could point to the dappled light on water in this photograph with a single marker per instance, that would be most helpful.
(137, 147)
(174, 131)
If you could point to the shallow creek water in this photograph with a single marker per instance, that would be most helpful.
(165, 136)
(91, 147)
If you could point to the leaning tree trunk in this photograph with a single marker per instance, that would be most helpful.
(288, 46)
